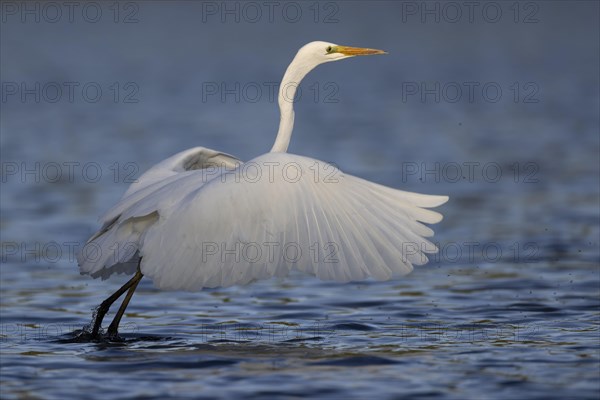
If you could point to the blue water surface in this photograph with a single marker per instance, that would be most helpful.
(498, 111)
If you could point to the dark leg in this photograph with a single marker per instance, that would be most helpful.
(114, 325)
(105, 306)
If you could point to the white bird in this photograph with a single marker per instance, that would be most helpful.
(202, 218)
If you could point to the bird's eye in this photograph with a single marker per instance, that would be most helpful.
(328, 49)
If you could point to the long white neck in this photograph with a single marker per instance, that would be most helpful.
(294, 74)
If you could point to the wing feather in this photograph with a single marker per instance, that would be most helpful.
(208, 237)
(115, 247)
(240, 223)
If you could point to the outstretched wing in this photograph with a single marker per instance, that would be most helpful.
(115, 247)
(277, 212)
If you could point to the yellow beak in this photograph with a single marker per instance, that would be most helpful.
(356, 51)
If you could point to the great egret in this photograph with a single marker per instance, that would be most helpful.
(202, 218)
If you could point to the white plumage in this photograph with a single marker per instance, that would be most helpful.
(202, 218)
(224, 225)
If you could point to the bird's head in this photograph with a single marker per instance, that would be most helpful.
(322, 52)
